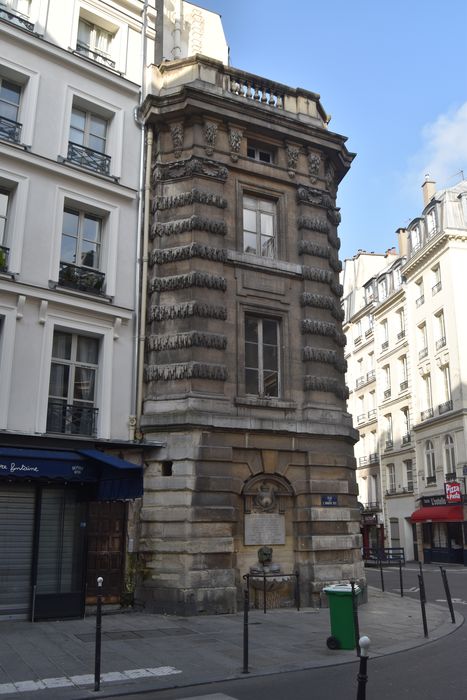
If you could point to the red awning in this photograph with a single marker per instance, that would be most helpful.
(443, 514)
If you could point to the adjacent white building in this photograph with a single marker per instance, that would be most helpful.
(412, 458)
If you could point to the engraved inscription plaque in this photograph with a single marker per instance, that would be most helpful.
(264, 528)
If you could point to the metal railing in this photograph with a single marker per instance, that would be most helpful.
(406, 438)
(360, 381)
(430, 480)
(422, 353)
(450, 476)
(10, 130)
(357, 340)
(420, 300)
(369, 332)
(440, 343)
(404, 385)
(436, 288)
(71, 419)
(387, 393)
(371, 507)
(389, 444)
(428, 413)
(361, 418)
(371, 375)
(88, 158)
(385, 345)
(18, 19)
(98, 56)
(372, 414)
(401, 335)
(373, 458)
(384, 555)
(445, 407)
(81, 278)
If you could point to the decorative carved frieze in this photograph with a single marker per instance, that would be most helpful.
(327, 329)
(328, 384)
(321, 301)
(186, 310)
(193, 223)
(189, 167)
(194, 250)
(210, 137)
(337, 289)
(192, 339)
(311, 195)
(235, 141)
(185, 199)
(313, 224)
(310, 248)
(314, 161)
(177, 133)
(331, 357)
(317, 274)
(335, 263)
(185, 370)
(190, 279)
(292, 158)
(334, 240)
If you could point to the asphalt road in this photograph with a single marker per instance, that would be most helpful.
(436, 671)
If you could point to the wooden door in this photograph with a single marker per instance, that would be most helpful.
(106, 536)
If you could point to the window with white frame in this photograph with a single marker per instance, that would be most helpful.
(22, 7)
(388, 430)
(405, 424)
(386, 381)
(88, 140)
(446, 389)
(436, 277)
(80, 256)
(430, 464)
(400, 324)
(440, 341)
(10, 100)
(265, 154)
(403, 372)
(408, 467)
(382, 288)
(384, 335)
(420, 295)
(415, 239)
(427, 400)
(397, 277)
(95, 42)
(262, 356)
(4, 211)
(391, 478)
(431, 225)
(72, 387)
(422, 341)
(449, 455)
(259, 226)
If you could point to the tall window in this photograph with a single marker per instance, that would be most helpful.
(391, 476)
(4, 202)
(446, 388)
(405, 424)
(431, 226)
(430, 462)
(415, 238)
(382, 288)
(427, 405)
(259, 227)
(403, 372)
(10, 97)
(87, 144)
(262, 361)
(387, 381)
(94, 42)
(81, 251)
(436, 279)
(388, 430)
(401, 324)
(420, 296)
(408, 474)
(449, 455)
(72, 389)
(440, 330)
(422, 341)
(384, 335)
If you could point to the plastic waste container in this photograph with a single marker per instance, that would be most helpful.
(342, 618)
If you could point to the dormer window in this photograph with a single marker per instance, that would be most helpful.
(415, 238)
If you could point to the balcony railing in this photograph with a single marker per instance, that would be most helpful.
(445, 407)
(98, 56)
(389, 444)
(71, 419)
(371, 375)
(371, 507)
(373, 458)
(436, 288)
(357, 340)
(404, 385)
(428, 413)
(361, 418)
(255, 88)
(406, 439)
(4, 258)
(422, 353)
(385, 345)
(401, 335)
(15, 18)
(420, 300)
(369, 332)
(430, 480)
(440, 343)
(360, 381)
(362, 461)
(391, 491)
(387, 393)
(81, 278)
(88, 158)
(372, 414)
(450, 476)
(10, 130)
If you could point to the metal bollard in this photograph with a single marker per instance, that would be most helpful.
(355, 617)
(97, 660)
(362, 678)
(401, 582)
(381, 574)
(246, 606)
(448, 594)
(422, 604)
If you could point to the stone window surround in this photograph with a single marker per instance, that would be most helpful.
(17, 186)
(279, 197)
(107, 21)
(29, 81)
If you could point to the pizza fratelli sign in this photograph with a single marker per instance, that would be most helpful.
(452, 489)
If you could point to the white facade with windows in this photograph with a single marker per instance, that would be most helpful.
(418, 305)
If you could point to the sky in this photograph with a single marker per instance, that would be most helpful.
(393, 75)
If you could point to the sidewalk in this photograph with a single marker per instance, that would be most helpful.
(55, 660)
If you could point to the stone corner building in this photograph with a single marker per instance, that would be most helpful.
(244, 374)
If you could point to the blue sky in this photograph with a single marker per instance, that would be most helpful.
(393, 75)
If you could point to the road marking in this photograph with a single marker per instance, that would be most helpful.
(88, 679)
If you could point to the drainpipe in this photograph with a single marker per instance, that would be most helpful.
(177, 50)
(144, 281)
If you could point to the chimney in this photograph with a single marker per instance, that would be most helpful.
(403, 241)
(429, 189)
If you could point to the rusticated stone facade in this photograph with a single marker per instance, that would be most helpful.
(227, 444)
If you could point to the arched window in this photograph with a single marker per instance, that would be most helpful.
(449, 455)
(430, 462)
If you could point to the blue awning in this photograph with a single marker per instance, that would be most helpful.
(115, 479)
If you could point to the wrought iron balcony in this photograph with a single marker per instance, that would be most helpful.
(97, 56)
(404, 385)
(389, 444)
(4, 258)
(10, 130)
(420, 300)
(440, 343)
(373, 458)
(385, 345)
(371, 507)
(71, 419)
(82, 278)
(361, 418)
(406, 439)
(357, 340)
(360, 381)
(436, 288)
(88, 158)
(422, 353)
(372, 414)
(371, 375)
(391, 491)
(401, 335)
(15, 18)
(445, 407)
(369, 332)
(363, 461)
(450, 476)
(387, 393)
(428, 413)
(430, 480)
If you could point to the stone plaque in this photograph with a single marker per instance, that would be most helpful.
(264, 528)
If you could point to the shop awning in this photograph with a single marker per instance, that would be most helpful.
(443, 514)
(115, 479)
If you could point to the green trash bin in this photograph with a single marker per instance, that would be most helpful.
(341, 613)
